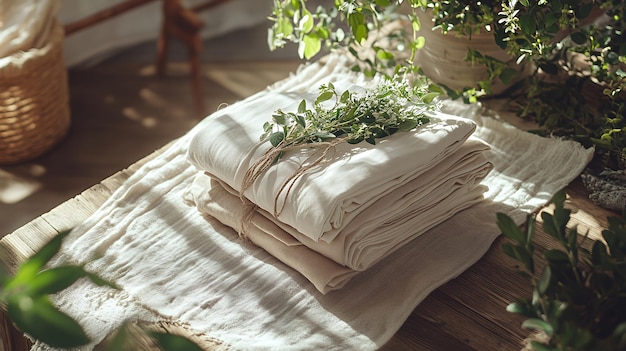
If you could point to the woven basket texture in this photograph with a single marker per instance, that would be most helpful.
(34, 101)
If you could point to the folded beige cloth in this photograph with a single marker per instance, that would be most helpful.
(384, 226)
(213, 200)
(325, 200)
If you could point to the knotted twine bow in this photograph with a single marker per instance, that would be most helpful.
(269, 158)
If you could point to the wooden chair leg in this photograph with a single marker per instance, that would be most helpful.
(196, 80)
(162, 48)
(184, 25)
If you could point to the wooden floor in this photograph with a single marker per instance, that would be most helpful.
(121, 112)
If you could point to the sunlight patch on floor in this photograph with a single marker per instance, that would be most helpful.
(134, 115)
(245, 78)
(14, 189)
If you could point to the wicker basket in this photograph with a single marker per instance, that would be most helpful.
(34, 103)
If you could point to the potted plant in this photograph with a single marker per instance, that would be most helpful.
(578, 299)
(525, 30)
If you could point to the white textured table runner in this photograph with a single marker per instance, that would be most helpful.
(174, 264)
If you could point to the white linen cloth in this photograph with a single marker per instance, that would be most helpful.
(440, 192)
(325, 200)
(172, 265)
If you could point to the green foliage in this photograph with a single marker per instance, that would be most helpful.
(584, 101)
(27, 301)
(131, 337)
(28, 305)
(579, 299)
(349, 24)
(394, 105)
(462, 17)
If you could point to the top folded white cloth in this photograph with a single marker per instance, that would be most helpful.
(323, 201)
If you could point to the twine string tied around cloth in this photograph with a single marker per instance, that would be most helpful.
(261, 165)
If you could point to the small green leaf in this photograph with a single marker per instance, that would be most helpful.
(345, 96)
(41, 320)
(549, 225)
(356, 21)
(101, 282)
(324, 96)
(510, 229)
(416, 24)
(54, 280)
(279, 119)
(499, 37)
(384, 55)
(556, 256)
(355, 140)
(309, 46)
(538, 324)
(301, 121)
(522, 309)
(284, 27)
(419, 42)
(598, 253)
(544, 282)
(367, 119)
(306, 22)
(360, 33)
(276, 138)
(324, 135)
(559, 198)
(27, 271)
(549, 68)
(579, 38)
(302, 106)
(407, 125)
(528, 24)
(520, 254)
(429, 97)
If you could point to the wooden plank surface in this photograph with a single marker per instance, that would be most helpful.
(468, 313)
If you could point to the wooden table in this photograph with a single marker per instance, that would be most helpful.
(468, 313)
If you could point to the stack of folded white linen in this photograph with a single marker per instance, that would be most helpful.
(347, 213)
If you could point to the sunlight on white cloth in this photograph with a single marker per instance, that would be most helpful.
(174, 264)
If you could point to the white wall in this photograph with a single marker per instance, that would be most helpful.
(142, 24)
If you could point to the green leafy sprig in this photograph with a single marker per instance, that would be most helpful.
(348, 24)
(579, 299)
(394, 105)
